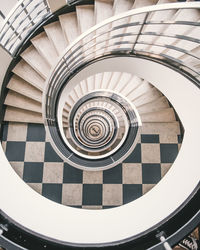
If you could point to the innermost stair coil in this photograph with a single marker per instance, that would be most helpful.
(101, 132)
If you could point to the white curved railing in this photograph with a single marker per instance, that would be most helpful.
(21, 20)
(123, 34)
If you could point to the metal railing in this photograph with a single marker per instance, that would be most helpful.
(21, 20)
(156, 32)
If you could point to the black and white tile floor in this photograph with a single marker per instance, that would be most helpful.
(35, 161)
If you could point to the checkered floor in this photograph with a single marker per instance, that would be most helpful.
(35, 161)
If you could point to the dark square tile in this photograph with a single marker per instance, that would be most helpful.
(168, 152)
(35, 132)
(15, 151)
(131, 192)
(92, 194)
(5, 131)
(72, 175)
(52, 192)
(151, 173)
(33, 172)
(50, 154)
(135, 156)
(150, 138)
(113, 175)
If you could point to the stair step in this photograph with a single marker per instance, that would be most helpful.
(169, 128)
(83, 85)
(26, 72)
(114, 80)
(166, 115)
(73, 97)
(45, 48)
(90, 83)
(20, 115)
(154, 106)
(35, 60)
(130, 86)
(85, 17)
(147, 97)
(98, 80)
(19, 101)
(122, 6)
(123, 81)
(20, 86)
(139, 91)
(105, 80)
(69, 26)
(78, 91)
(56, 36)
(103, 10)
(143, 3)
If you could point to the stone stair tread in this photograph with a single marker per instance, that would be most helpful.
(139, 91)
(154, 106)
(165, 115)
(147, 97)
(56, 36)
(103, 10)
(26, 72)
(20, 86)
(123, 81)
(15, 99)
(69, 26)
(122, 6)
(133, 84)
(143, 3)
(170, 128)
(36, 61)
(19, 115)
(45, 48)
(85, 17)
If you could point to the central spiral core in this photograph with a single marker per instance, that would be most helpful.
(102, 130)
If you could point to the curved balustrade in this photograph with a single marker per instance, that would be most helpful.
(124, 34)
(21, 20)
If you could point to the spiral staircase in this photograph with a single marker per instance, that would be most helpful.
(96, 98)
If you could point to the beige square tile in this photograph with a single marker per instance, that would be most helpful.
(179, 146)
(72, 194)
(132, 173)
(53, 172)
(90, 177)
(165, 168)
(18, 167)
(112, 194)
(17, 131)
(147, 187)
(92, 207)
(150, 153)
(36, 186)
(168, 138)
(34, 151)
(4, 143)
